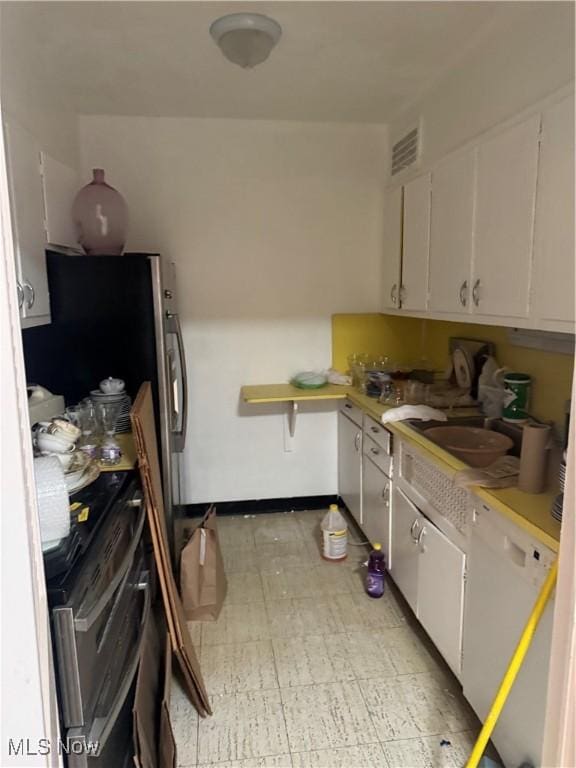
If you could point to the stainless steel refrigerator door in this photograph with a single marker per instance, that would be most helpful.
(162, 298)
(172, 383)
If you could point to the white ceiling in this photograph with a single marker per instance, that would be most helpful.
(336, 61)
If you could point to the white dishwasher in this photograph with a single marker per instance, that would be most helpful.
(506, 568)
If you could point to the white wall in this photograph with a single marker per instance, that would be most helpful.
(30, 96)
(524, 55)
(273, 226)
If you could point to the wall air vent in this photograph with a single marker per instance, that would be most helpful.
(406, 151)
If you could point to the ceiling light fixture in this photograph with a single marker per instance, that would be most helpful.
(246, 38)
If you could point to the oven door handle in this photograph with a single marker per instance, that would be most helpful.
(173, 326)
(83, 623)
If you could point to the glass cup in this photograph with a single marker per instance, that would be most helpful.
(110, 451)
(87, 422)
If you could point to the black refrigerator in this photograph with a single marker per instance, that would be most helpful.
(116, 316)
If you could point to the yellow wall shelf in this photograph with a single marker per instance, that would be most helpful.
(286, 393)
(281, 393)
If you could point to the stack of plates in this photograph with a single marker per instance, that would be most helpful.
(123, 421)
(81, 472)
(562, 476)
(557, 508)
(559, 501)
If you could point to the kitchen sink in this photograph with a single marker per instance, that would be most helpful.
(513, 431)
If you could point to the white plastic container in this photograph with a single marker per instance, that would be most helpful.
(334, 535)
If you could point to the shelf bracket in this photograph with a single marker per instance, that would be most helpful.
(292, 412)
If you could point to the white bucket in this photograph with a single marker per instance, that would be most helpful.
(334, 535)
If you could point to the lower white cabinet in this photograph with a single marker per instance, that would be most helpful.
(350, 465)
(407, 523)
(376, 506)
(440, 609)
(429, 571)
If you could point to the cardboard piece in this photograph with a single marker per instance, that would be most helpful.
(144, 430)
(167, 743)
(146, 709)
(203, 583)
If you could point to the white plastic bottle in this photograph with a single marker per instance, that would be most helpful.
(334, 534)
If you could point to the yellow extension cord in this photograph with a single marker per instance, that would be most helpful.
(513, 668)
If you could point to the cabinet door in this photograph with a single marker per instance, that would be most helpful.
(407, 524)
(416, 244)
(451, 234)
(505, 198)
(376, 506)
(441, 593)
(392, 248)
(27, 207)
(553, 282)
(60, 185)
(350, 466)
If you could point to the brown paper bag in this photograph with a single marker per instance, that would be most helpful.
(203, 582)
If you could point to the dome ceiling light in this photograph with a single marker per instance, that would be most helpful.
(246, 39)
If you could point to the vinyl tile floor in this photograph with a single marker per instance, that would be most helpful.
(304, 670)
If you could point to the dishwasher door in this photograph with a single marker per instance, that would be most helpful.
(506, 569)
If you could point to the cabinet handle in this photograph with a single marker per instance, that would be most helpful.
(348, 405)
(375, 430)
(375, 451)
(464, 293)
(476, 293)
(420, 537)
(413, 527)
(32, 295)
(386, 494)
(393, 292)
(20, 291)
(357, 441)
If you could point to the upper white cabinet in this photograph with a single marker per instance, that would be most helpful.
(60, 185)
(553, 277)
(451, 233)
(42, 190)
(416, 244)
(489, 236)
(27, 207)
(507, 167)
(392, 248)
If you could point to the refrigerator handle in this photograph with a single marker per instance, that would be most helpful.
(173, 326)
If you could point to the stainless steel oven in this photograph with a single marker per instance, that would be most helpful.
(89, 626)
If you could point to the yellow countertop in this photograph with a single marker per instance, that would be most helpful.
(128, 461)
(529, 511)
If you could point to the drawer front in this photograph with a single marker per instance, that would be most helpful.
(353, 412)
(377, 454)
(85, 658)
(378, 433)
(112, 719)
(85, 629)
